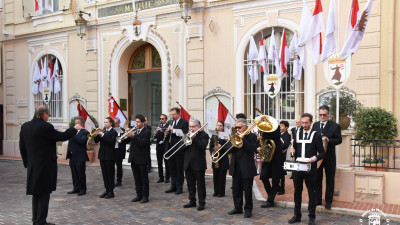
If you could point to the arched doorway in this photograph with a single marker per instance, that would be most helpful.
(144, 78)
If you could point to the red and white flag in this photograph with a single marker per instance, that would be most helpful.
(184, 114)
(50, 76)
(38, 7)
(356, 35)
(329, 45)
(252, 59)
(294, 54)
(354, 15)
(115, 111)
(284, 53)
(56, 78)
(89, 124)
(273, 54)
(262, 56)
(224, 115)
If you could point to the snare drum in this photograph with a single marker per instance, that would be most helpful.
(297, 166)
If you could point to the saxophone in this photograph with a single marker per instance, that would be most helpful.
(267, 149)
(215, 153)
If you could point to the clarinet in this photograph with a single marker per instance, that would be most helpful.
(169, 131)
(155, 135)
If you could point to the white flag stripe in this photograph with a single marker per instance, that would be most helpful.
(329, 44)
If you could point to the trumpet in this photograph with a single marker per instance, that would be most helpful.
(94, 132)
(186, 139)
(125, 136)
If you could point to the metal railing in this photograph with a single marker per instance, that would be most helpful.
(376, 153)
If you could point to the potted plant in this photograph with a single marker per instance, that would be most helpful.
(348, 106)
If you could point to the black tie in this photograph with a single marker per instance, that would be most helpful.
(322, 126)
(305, 136)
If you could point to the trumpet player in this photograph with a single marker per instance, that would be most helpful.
(120, 149)
(139, 157)
(284, 147)
(195, 165)
(107, 156)
(175, 163)
(243, 170)
(219, 169)
(160, 149)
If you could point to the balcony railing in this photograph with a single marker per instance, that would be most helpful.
(377, 154)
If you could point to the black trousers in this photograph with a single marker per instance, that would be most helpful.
(108, 171)
(40, 208)
(78, 171)
(219, 179)
(141, 177)
(238, 186)
(120, 172)
(196, 178)
(271, 189)
(176, 170)
(310, 180)
(160, 160)
(329, 164)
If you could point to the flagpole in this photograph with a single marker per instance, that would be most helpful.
(338, 27)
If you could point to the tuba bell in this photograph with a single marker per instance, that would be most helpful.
(268, 146)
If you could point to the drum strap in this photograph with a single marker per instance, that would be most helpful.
(304, 142)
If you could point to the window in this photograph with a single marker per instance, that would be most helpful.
(289, 103)
(47, 7)
(51, 77)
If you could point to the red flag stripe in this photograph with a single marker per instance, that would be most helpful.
(318, 7)
(354, 12)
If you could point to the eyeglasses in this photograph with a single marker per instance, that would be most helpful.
(162, 119)
(323, 114)
(238, 127)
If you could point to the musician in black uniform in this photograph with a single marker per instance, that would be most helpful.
(175, 163)
(139, 156)
(77, 154)
(120, 149)
(272, 169)
(314, 151)
(285, 136)
(219, 174)
(146, 124)
(160, 149)
(195, 165)
(243, 170)
(294, 129)
(107, 156)
(331, 132)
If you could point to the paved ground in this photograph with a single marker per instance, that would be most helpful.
(15, 206)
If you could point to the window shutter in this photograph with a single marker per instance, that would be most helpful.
(28, 8)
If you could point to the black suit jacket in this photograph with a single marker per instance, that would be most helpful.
(243, 158)
(315, 148)
(172, 139)
(293, 131)
(224, 162)
(107, 149)
(139, 152)
(286, 142)
(159, 136)
(275, 166)
(37, 144)
(195, 154)
(77, 148)
(333, 132)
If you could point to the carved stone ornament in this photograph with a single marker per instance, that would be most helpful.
(137, 27)
(78, 97)
(137, 30)
(217, 90)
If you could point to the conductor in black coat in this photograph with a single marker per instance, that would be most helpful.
(243, 170)
(219, 174)
(286, 138)
(107, 156)
(330, 132)
(272, 169)
(160, 149)
(195, 165)
(120, 149)
(77, 154)
(37, 145)
(139, 157)
(175, 163)
(314, 151)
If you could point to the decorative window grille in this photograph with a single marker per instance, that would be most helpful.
(289, 102)
(56, 103)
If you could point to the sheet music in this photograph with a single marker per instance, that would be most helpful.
(119, 130)
(223, 135)
(178, 132)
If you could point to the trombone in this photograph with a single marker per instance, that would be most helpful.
(186, 139)
(94, 132)
(263, 123)
(125, 136)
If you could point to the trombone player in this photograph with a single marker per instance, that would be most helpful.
(243, 170)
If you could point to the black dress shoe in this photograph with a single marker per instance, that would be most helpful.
(167, 180)
(136, 199)
(178, 192)
(282, 192)
(117, 184)
(144, 200)
(311, 221)
(294, 219)
(235, 211)
(318, 203)
(160, 180)
(267, 204)
(215, 195)
(220, 196)
(109, 195)
(328, 206)
(82, 193)
(200, 207)
(103, 195)
(170, 190)
(73, 192)
(247, 214)
(190, 205)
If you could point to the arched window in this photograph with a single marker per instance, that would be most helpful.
(288, 104)
(47, 86)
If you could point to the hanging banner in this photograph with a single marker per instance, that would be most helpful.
(46, 94)
(337, 70)
(272, 85)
